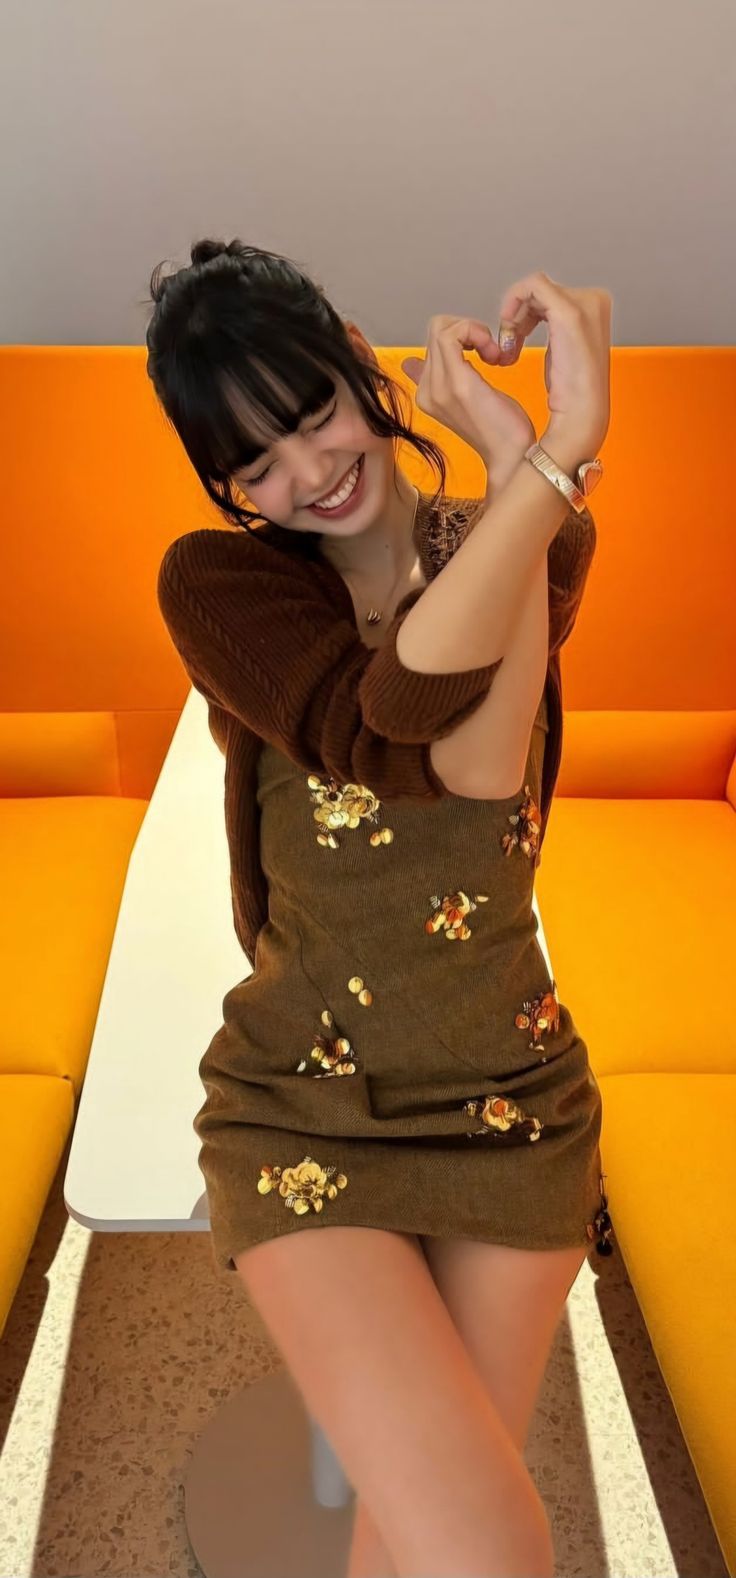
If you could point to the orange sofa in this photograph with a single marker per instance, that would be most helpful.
(638, 873)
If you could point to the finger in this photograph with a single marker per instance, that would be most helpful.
(414, 366)
(453, 336)
(472, 334)
(448, 335)
(526, 304)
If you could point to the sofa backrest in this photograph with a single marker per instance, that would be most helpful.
(95, 484)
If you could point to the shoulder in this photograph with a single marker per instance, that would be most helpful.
(209, 556)
(213, 546)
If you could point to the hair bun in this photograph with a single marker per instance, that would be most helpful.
(204, 251)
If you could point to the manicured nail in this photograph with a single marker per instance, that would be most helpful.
(507, 340)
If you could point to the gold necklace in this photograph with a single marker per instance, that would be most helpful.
(375, 615)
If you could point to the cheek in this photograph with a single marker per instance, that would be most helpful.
(350, 435)
(364, 441)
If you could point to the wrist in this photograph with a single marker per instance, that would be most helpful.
(501, 467)
(567, 448)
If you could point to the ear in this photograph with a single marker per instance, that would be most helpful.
(360, 342)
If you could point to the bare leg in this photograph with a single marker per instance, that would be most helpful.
(385, 1373)
(369, 1557)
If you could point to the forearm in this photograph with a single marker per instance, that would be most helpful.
(467, 614)
(485, 756)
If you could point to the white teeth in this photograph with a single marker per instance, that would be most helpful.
(344, 492)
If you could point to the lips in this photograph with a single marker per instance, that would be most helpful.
(337, 487)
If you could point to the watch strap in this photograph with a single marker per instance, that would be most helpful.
(587, 476)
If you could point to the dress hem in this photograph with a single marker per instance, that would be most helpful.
(224, 1260)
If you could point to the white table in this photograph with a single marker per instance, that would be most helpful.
(265, 1496)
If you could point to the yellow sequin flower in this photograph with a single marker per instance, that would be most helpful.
(344, 807)
(540, 1015)
(328, 1058)
(449, 914)
(601, 1227)
(302, 1186)
(498, 1114)
(527, 822)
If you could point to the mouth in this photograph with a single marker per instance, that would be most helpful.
(347, 493)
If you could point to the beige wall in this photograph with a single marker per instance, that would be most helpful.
(383, 143)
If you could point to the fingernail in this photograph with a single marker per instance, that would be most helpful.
(507, 340)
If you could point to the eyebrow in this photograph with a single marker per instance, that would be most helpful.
(250, 453)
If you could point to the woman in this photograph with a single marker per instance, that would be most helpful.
(378, 663)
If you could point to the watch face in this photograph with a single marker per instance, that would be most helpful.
(589, 475)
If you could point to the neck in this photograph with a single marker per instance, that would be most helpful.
(382, 550)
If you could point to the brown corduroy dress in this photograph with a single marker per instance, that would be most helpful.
(399, 1057)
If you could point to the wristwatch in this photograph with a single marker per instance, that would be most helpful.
(587, 476)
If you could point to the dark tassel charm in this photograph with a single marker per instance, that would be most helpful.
(602, 1224)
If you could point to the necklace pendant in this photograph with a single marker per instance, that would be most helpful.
(373, 617)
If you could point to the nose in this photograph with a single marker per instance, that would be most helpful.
(311, 473)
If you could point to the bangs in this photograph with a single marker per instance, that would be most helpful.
(252, 402)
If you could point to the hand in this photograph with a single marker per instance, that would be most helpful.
(452, 390)
(578, 356)
(576, 369)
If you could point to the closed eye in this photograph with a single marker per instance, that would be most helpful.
(254, 481)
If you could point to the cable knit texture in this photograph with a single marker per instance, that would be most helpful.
(266, 631)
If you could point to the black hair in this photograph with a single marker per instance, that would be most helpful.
(240, 318)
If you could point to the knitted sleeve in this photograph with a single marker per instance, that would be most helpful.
(259, 638)
(569, 557)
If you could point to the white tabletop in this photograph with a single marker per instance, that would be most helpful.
(133, 1163)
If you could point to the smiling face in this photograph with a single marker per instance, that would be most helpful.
(297, 469)
(300, 468)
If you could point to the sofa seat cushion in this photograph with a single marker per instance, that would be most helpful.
(669, 1155)
(636, 899)
(36, 1116)
(64, 861)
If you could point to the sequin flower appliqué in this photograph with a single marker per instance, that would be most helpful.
(499, 1114)
(348, 806)
(450, 912)
(304, 1187)
(527, 825)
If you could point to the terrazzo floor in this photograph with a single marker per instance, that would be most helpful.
(119, 1347)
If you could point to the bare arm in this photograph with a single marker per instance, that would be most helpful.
(485, 755)
(468, 612)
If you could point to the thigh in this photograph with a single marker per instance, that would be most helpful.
(380, 1365)
(506, 1304)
